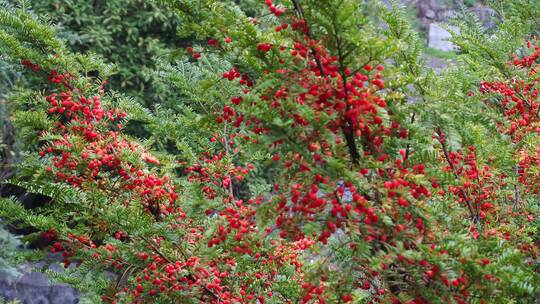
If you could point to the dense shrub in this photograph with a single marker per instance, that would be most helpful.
(312, 158)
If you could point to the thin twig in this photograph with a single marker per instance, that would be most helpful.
(300, 13)
(189, 274)
(447, 157)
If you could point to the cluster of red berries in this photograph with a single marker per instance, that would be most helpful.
(278, 11)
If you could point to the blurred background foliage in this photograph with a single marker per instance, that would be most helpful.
(133, 34)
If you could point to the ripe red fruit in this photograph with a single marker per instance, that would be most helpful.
(213, 42)
(264, 47)
(236, 100)
(346, 298)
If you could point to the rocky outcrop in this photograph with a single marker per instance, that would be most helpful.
(34, 288)
(439, 38)
(432, 13)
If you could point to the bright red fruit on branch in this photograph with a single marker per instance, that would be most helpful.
(517, 99)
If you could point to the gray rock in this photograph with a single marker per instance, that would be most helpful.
(446, 15)
(486, 15)
(33, 278)
(430, 14)
(437, 64)
(425, 6)
(438, 38)
(63, 294)
(34, 288)
(427, 12)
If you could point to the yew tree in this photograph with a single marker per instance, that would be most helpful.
(309, 156)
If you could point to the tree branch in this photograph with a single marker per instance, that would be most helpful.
(300, 13)
(474, 216)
